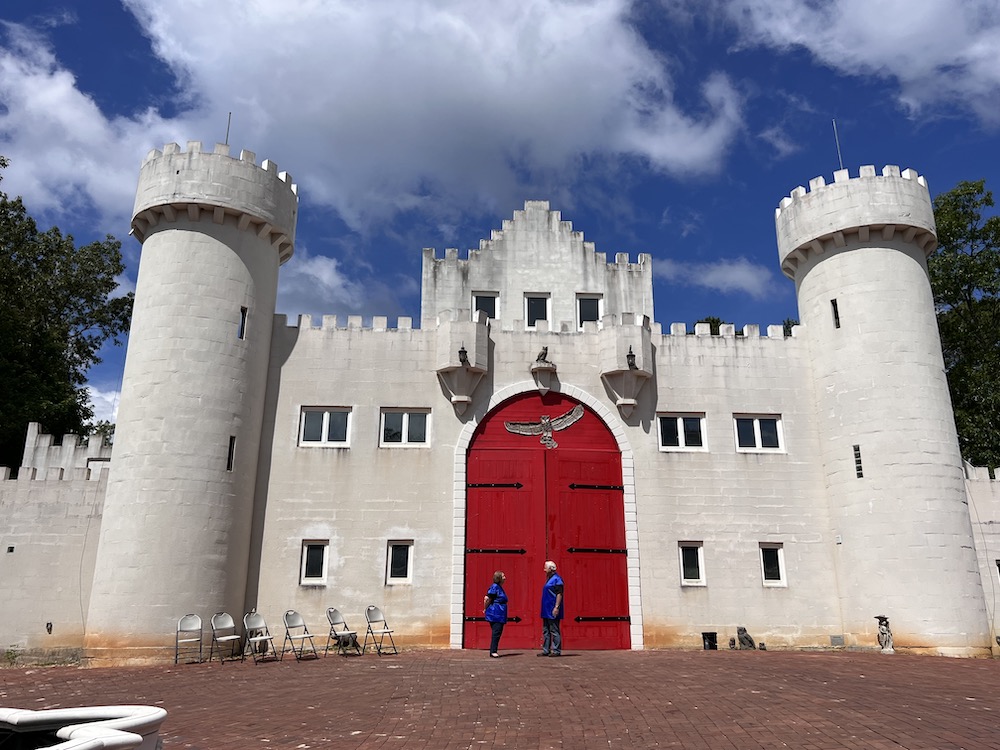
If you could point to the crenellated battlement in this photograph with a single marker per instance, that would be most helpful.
(729, 331)
(198, 185)
(63, 457)
(621, 263)
(893, 206)
(989, 474)
(378, 323)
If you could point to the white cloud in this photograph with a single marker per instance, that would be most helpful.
(940, 52)
(729, 276)
(104, 403)
(66, 156)
(376, 107)
(317, 285)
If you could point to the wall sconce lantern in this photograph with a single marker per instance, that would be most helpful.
(630, 359)
(463, 356)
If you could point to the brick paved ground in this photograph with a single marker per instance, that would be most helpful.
(458, 699)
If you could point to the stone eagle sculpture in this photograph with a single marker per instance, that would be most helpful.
(546, 426)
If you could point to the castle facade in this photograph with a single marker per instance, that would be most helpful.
(685, 483)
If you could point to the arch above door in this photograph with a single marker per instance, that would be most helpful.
(610, 421)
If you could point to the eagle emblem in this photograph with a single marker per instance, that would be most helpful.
(546, 426)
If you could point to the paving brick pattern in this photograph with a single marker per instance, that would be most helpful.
(424, 700)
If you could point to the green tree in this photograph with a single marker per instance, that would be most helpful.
(965, 278)
(56, 312)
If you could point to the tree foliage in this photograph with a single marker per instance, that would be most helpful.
(965, 278)
(56, 312)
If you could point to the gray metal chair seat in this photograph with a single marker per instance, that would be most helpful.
(378, 631)
(187, 641)
(224, 636)
(259, 642)
(343, 636)
(297, 635)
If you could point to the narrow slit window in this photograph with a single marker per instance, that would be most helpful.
(241, 333)
(836, 313)
(231, 457)
(857, 462)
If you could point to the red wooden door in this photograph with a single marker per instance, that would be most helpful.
(553, 495)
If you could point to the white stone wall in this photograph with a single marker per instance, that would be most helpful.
(48, 544)
(984, 510)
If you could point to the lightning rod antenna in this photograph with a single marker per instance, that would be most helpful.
(230, 122)
(837, 139)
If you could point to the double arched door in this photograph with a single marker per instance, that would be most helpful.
(544, 481)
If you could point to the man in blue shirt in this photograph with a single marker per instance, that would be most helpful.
(552, 611)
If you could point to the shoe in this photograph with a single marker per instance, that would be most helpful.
(543, 653)
(554, 653)
(494, 656)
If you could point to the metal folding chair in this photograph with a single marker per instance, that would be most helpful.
(224, 635)
(258, 639)
(344, 637)
(298, 636)
(378, 631)
(188, 638)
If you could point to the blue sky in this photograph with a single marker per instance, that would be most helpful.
(669, 127)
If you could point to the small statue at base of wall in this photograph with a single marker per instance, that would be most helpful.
(745, 639)
(732, 643)
(884, 634)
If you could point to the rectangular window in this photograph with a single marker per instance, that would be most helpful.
(398, 563)
(772, 564)
(314, 562)
(858, 469)
(536, 307)
(692, 563)
(682, 432)
(588, 309)
(836, 313)
(400, 427)
(325, 426)
(231, 457)
(241, 332)
(485, 301)
(755, 434)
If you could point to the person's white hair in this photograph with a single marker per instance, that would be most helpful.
(549, 565)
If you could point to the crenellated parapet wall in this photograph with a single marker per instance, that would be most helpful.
(214, 186)
(862, 209)
(61, 458)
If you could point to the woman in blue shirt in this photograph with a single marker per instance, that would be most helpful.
(495, 608)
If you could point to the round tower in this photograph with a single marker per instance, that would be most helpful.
(175, 534)
(857, 250)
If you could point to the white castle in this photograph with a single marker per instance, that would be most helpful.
(686, 484)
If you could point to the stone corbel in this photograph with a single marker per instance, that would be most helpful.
(461, 382)
(626, 360)
(463, 356)
(542, 371)
(625, 385)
